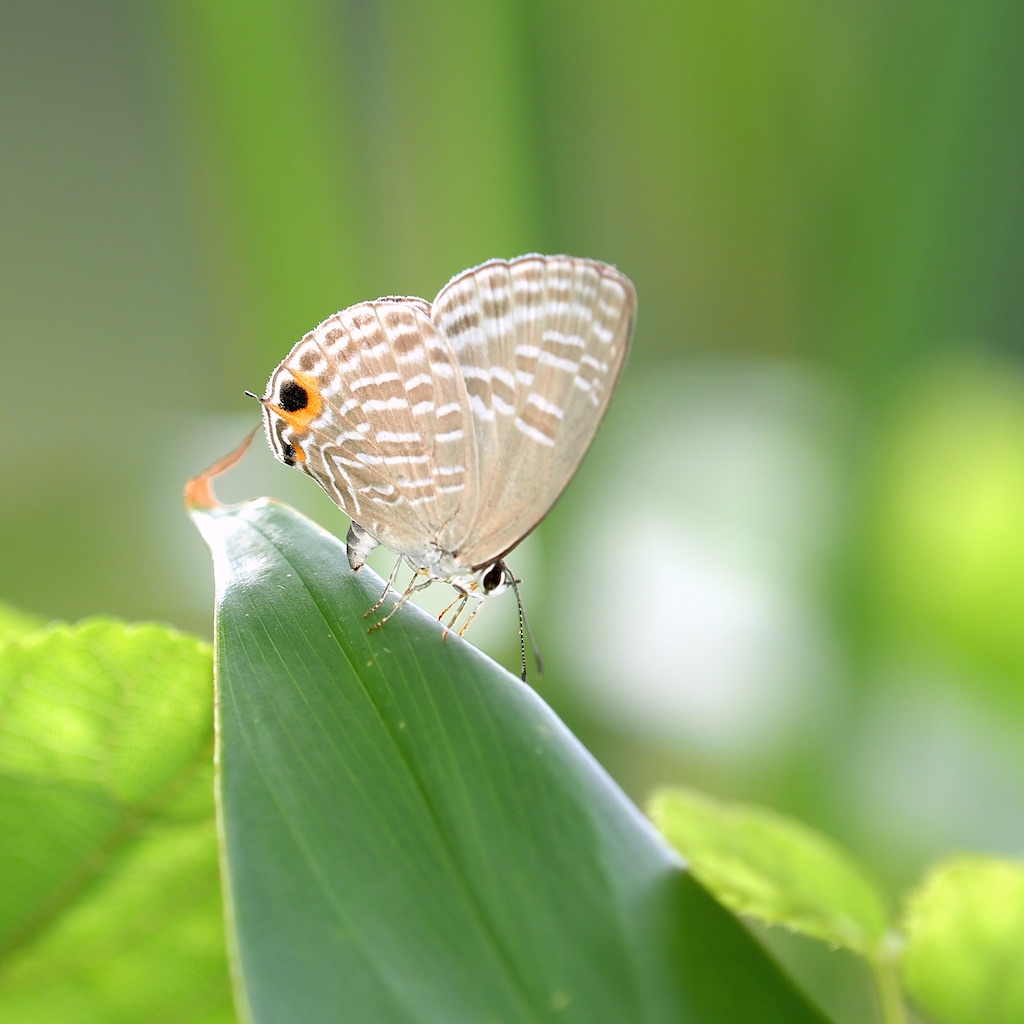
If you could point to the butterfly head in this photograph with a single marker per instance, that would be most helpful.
(479, 583)
(495, 579)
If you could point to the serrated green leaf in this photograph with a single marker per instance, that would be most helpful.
(110, 906)
(412, 835)
(964, 957)
(777, 870)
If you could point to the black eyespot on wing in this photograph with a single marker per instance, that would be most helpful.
(493, 577)
(288, 455)
(292, 396)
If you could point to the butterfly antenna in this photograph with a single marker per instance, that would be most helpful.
(525, 631)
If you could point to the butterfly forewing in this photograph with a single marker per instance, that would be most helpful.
(385, 432)
(540, 341)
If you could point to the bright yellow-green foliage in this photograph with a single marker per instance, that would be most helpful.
(110, 909)
(775, 869)
(964, 960)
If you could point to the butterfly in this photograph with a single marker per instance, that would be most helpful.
(446, 431)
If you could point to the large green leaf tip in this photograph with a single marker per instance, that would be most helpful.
(411, 835)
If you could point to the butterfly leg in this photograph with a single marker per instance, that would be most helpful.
(411, 589)
(387, 586)
(448, 607)
(472, 616)
(460, 600)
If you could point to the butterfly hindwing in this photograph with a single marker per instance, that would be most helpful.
(540, 341)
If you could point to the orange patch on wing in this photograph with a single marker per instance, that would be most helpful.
(300, 419)
(300, 455)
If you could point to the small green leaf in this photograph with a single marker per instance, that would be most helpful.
(412, 835)
(110, 904)
(774, 869)
(964, 958)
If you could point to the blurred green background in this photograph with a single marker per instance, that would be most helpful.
(817, 449)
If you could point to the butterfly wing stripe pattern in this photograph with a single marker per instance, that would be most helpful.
(446, 431)
(392, 412)
(541, 342)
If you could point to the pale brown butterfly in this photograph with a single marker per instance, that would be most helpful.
(447, 430)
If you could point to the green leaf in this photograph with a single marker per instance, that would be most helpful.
(964, 959)
(412, 835)
(776, 870)
(15, 623)
(110, 906)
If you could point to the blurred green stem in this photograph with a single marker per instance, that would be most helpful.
(890, 999)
